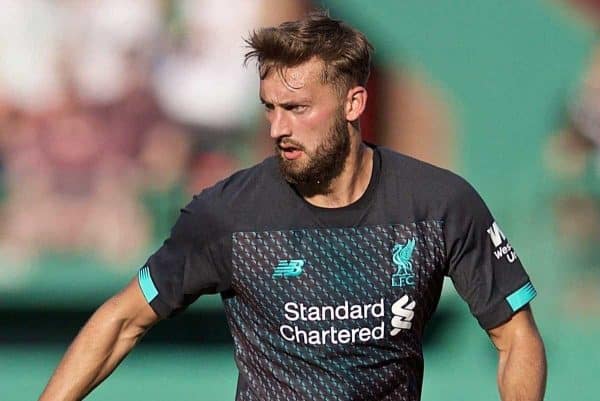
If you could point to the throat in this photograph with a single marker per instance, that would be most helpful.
(348, 187)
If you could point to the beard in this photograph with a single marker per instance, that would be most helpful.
(324, 164)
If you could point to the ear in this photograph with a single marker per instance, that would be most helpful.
(356, 102)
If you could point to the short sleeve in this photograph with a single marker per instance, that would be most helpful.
(482, 264)
(188, 264)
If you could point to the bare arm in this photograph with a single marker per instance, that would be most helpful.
(101, 345)
(522, 359)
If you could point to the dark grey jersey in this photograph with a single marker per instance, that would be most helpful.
(331, 304)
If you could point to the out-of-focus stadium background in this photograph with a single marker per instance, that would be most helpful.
(112, 113)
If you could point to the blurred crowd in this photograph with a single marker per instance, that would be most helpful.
(573, 158)
(113, 112)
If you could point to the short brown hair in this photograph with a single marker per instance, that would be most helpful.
(345, 52)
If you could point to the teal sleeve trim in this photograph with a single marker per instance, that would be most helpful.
(521, 297)
(146, 284)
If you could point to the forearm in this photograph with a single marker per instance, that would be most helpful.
(522, 370)
(98, 348)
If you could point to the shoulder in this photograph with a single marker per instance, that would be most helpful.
(244, 187)
(423, 179)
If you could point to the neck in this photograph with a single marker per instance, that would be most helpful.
(352, 182)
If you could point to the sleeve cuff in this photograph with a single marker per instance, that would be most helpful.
(146, 284)
(521, 297)
(150, 293)
(507, 307)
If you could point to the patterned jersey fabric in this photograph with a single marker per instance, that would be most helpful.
(331, 304)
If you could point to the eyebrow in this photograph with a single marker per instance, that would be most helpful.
(288, 103)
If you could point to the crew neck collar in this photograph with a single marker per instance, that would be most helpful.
(350, 214)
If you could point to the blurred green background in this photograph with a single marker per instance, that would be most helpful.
(508, 72)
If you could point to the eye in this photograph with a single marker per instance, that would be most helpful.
(300, 108)
(296, 108)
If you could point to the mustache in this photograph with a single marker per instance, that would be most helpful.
(286, 142)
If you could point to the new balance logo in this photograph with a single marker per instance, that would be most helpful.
(288, 268)
(403, 315)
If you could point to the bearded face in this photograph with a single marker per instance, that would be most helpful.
(309, 125)
(321, 164)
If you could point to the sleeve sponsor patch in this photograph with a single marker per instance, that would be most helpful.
(502, 248)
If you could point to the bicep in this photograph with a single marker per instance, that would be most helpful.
(521, 327)
(130, 306)
(522, 366)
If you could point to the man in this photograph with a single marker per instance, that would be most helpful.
(330, 256)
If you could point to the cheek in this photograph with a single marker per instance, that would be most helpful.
(313, 125)
(318, 119)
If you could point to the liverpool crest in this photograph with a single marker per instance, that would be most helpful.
(401, 256)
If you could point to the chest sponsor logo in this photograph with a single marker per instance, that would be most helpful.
(401, 256)
(288, 268)
(502, 247)
(404, 312)
(365, 322)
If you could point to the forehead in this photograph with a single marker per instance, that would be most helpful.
(304, 78)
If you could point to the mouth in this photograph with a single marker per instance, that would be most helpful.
(290, 152)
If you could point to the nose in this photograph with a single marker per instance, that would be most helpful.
(280, 124)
